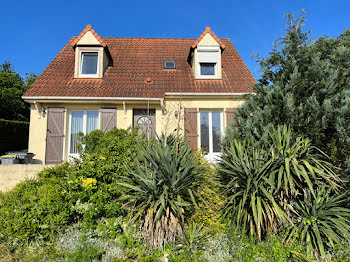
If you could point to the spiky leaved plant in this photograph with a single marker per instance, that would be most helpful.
(320, 221)
(262, 182)
(161, 186)
(244, 174)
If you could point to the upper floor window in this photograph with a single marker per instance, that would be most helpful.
(89, 64)
(208, 62)
(169, 64)
(207, 69)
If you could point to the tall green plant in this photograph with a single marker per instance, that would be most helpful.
(161, 186)
(261, 182)
(319, 221)
(244, 173)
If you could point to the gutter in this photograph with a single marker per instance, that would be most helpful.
(92, 99)
(205, 94)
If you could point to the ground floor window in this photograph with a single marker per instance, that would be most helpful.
(80, 121)
(210, 131)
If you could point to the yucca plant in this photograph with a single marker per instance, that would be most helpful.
(297, 166)
(244, 173)
(161, 187)
(261, 182)
(320, 221)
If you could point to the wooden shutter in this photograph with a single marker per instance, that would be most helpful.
(229, 115)
(108, 118)
(191, 134)
(54, 135)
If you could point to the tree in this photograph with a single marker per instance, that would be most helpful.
(305, 84)
(12, 88)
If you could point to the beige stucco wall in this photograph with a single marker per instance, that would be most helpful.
(88, 39)
(208, 40)
(11, 175)
(165, 119)
(37, 133)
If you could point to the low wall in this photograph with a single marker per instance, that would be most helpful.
(11, 175)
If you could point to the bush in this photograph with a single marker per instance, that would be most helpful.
(84, 191)
(34, 209)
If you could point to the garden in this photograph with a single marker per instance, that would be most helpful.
(279, 192)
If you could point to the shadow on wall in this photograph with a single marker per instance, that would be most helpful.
(13, 135)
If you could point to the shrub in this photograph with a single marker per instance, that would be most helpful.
(85, 190)
(34, 209)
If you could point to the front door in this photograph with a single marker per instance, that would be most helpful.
(54, 135)
(145, 119)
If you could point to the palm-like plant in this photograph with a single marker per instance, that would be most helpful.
(262, 182)
(320, 220)
(161, 186)
(244, 173)
(297, 165)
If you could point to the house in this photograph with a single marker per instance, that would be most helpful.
(191, 86)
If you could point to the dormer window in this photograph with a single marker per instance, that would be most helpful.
(92, 57)
(89, 64)
(208, 58)
(169, 64)
(207, 69)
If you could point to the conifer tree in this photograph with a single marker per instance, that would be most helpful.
(304, 83)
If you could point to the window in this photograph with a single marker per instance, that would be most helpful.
(169, 64)
(208, 62)
(210, 131)
(89, 63)
(80, 121)
(207, 69)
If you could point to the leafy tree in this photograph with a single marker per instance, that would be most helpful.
(305, 84)
(12, 88)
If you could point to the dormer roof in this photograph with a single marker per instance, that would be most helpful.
(88, 32)
(205, 32)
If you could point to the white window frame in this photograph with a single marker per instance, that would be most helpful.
(208, 49)
(71, 156)
(209, 76)
(211, 156)
(81, 63)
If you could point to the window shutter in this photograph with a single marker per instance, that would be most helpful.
(108, 118)
(191, 134)
(229, 115)
(54, 135)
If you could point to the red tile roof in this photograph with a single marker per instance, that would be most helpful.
(137, 71)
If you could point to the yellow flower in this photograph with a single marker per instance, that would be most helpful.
(102, 157)
(70, 181)
(89, 182)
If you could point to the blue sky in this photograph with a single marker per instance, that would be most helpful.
(33, 32)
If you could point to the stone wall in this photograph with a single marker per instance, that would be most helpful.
(11, 175)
